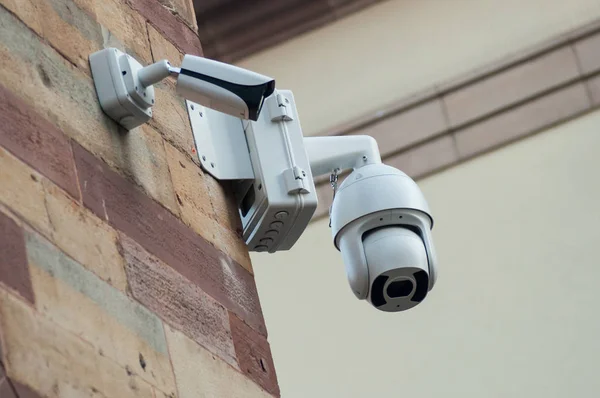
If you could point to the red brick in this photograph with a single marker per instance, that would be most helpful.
(34, 140)
(14, 271)
(174, 29)
(6, 390)
(24, 391)
(113, 198)
(254, 355)
(176, 300)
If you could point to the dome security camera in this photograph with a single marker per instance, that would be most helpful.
(379, 218)
(381, 224)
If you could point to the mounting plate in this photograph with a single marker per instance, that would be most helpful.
(121, 94)
(220, 143)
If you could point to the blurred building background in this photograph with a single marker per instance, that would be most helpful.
(491, 105)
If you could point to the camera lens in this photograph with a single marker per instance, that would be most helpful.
(400, 288)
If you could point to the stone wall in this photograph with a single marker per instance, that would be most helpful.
(122, 269)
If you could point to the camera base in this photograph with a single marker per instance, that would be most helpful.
(122, 96)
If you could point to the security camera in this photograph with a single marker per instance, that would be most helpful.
(381, 224)
(379, 218)
(223, 87)
(125, 87)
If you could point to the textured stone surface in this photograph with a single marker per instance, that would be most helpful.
(112, 198)
(162, 48)
(173, 28)
(179, 302)
(127, 25)
(67, 27)
(85, 237)
(206, 208)
(36, 142)
(200, 374)
(14, 271)
(171, 119)
(57, 363)
(6, 390)
(24, 391)
(183, 8)
(22, 191)
(254, 355)
(66, 97)
(114, 325)
(141, 157)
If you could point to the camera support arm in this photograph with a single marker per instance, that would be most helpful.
(327, 154)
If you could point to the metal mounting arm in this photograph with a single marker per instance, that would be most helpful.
(327, 154)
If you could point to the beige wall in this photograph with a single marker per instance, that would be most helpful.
(361, 63)
(515, 311)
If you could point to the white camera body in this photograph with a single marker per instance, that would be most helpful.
(381, 224)
(223, 87)
(380, 220)
(277, 205)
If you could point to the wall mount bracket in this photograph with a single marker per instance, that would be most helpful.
(220, 143)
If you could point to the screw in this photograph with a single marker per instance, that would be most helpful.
(201, 114)
(364, 158)
(152, 101)
(304, 173)
(212, 165)
(192, 106)
(287, 101)
(144, 94)
(124, 72)
(204, 158)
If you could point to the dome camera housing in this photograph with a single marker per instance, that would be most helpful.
(381, 224)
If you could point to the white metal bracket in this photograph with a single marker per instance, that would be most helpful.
(122, 96)
(280, 108)
(220, 143)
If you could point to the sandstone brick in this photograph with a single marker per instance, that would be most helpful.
(183, 8)
(22, 191)
(127, 25)
(69, 29)
(229, 231)
(174, 29)
(117, 327)
(14, 271)
(111, 197)
(198, 196)
(171, 119)
(27, 11)
(200, 374)
(254, 355)
(179, 302)
(142, 158)
(23, 391)
(66, 97)
(6, 390)
(162, 48)
(36, 141)
(85, 237)
(57, 363)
